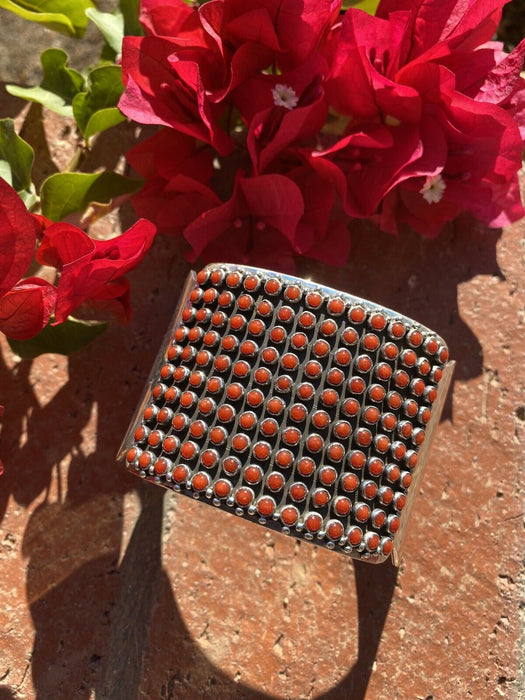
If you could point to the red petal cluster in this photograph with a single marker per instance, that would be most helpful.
(287, 119)
(89, 271)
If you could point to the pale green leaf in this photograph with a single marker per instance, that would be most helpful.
(59, 85)
(16, 157)
(64, 16)
(110, 25)
(102, 120)
(96, 109)
(63, 194)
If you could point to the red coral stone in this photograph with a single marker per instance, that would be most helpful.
(222, 488)
(275, 481)
(298, 491)
(253, 474)
(306, 466)
(357, 314)
(350, 336)
(256, 327)
(234, 391)
(313, 522)
(327, 476)
(240, 442)
(320, 419)
(266, 506)
(289, 515)
(314, 300)
(314, 443)
(180, 473)
(284, 458)
(251, 283)
(349, 482)
(298, 412)
(200, 481)
(334, 530)
(247, 420)
(244, 496)
(342, 506)
(362, 512)
(245, 302)
(377, 321)
(170, 444)
(272, 286)
(355, 535)
(261, 450)
(336, 306)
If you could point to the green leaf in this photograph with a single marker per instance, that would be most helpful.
(29, 197)
(16, 157)
(64, 16)
(369, 6)
(59, 85)
(63, 194)
(111, 26)
(102, 120)
(96, 109)
(130, 12)
(64, 339)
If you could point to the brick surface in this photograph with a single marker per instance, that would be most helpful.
(111, 589)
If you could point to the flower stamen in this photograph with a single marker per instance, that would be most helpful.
(284, 96)
(433, 189)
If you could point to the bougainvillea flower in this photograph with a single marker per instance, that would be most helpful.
(290, 29)
(362, 80)
(26, 308)
(282, 110)
(474, 147)
(365, 165)
(25, 304)
(18, 231)
(483, 156)
(324, 225)
(169, 84)
(91, 270)
(176, 171)
(435, 25)
(257, 225)
(167, 17)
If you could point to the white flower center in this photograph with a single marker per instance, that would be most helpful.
(284, 96)
(433, 189)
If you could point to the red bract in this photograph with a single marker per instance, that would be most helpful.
(443, 25)
(413, 116)
(366, 164)
(444, 145)
(483, 153)
(257, 225)
(93, 271)
(170, 82)
(167, 17)
(281, 111)
(323, 226)
(175, 170)
(18, 232)
(26, 308)
(25, 304)
(291, 30)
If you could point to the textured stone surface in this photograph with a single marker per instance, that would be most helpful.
(110, 589)
(102, 591)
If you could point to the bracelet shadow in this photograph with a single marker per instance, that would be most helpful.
(90, 612)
